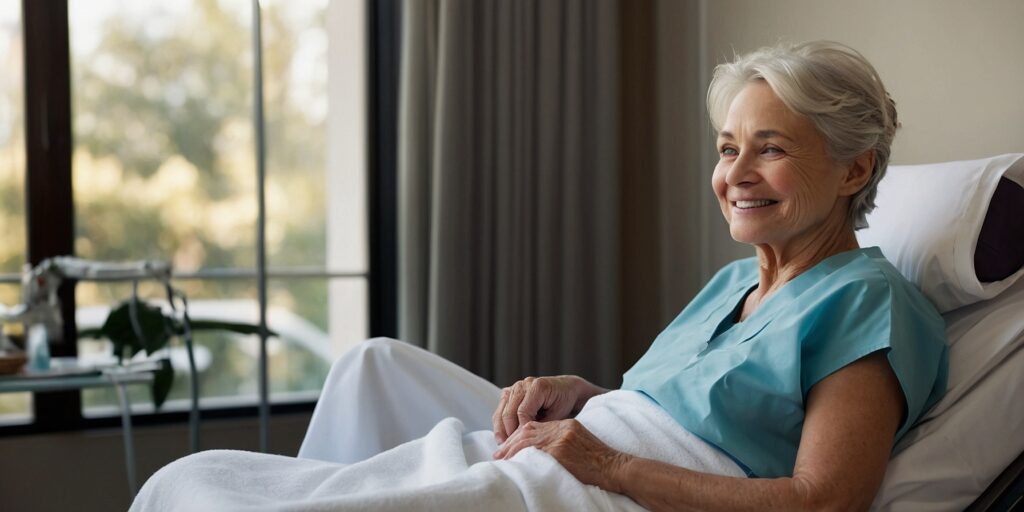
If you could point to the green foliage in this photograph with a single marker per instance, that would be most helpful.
(235, 327)
(163, 379)
(144, 98)
(155, 330)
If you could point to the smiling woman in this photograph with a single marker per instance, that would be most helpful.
(800, 158)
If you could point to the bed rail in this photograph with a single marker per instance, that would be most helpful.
(1006, 493)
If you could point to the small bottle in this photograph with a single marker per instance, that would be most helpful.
(38, 348)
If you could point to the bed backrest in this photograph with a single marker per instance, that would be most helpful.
(956, 230)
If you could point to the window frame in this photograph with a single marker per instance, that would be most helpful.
(50, 201)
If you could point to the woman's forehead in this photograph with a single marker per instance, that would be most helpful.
(757, 111)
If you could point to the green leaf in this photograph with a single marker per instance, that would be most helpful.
(94, 333)
(162, 381)
(240, 328)
(156, 330)
(152, 324)
(118, 329)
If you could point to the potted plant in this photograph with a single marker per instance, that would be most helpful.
(136, 326)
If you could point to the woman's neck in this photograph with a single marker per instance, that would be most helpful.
(780, 263)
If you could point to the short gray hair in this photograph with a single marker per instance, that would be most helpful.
(831, 84)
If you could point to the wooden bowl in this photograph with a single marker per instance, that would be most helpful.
(11, 362)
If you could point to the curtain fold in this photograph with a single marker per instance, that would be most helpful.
(509, 170)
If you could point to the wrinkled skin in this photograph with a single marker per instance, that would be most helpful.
(572, 445)
(540, 399)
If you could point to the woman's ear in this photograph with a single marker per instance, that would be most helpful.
(858, 173)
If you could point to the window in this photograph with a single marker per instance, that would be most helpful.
(14, 407)
(162, 164)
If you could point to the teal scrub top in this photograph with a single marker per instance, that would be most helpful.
(741, 386)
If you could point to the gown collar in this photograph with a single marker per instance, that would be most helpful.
(796, 286)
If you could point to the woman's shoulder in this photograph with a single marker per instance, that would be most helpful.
(866, 285)
(869, 270)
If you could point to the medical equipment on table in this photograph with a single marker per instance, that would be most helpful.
(39, 286)
(40, 310)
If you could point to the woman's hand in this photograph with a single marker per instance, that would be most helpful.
(540, 399)
(573, 446)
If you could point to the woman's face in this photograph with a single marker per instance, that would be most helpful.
(775, 182)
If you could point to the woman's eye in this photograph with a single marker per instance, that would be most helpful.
(771, 149)
(728, 152)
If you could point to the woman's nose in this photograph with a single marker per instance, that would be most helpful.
(742, 171)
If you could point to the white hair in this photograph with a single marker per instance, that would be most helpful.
(831, 84)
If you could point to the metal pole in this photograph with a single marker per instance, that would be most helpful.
(261, 249)
(126, 435)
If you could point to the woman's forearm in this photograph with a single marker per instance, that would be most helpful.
(660, 486)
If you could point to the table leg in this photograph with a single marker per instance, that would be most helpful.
(126, 434)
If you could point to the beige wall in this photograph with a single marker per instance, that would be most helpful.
(954, 67)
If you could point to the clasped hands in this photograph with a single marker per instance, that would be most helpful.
(539, 412)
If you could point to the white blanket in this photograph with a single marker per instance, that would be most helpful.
(448, 469)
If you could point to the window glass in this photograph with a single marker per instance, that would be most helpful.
(12, 140)
(162, 121)
(313, 81)
(14, 407)
(296, 107)
(338, 307)
(164, 168)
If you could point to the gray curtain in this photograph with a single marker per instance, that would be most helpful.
(509, 170)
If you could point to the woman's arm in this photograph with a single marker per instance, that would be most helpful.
(541, 399)
(850, 420)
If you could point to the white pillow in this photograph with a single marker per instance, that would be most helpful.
(927, 222)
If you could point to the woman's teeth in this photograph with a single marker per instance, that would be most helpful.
(753, 204)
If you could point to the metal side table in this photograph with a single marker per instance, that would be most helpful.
(81, 378)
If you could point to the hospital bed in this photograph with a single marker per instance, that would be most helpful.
(1006, 492)
(956, 230)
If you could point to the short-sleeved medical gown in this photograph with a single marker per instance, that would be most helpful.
(741, 386)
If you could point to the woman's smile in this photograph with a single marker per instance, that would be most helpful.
(753, 206)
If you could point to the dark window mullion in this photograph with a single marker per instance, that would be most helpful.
(383, 44)
(49, 203)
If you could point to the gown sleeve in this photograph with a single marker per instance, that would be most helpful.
(870, 314)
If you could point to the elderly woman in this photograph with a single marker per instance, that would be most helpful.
(785, 382)
(803, 364)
